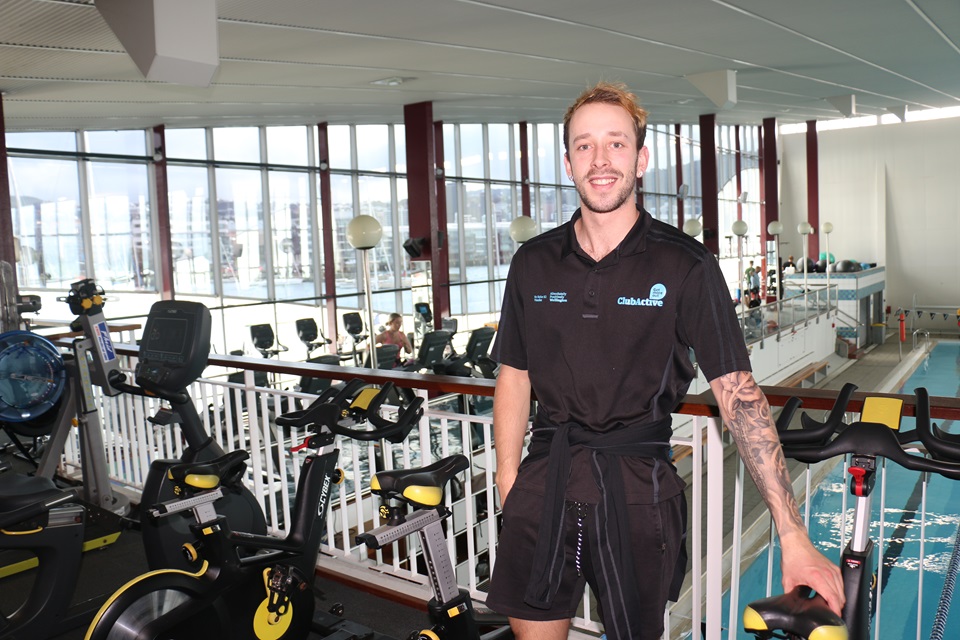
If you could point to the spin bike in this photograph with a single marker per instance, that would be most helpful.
(266, 595)
(875, 435)
(451, 610)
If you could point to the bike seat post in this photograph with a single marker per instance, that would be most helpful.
(862, 472)
(435, 546)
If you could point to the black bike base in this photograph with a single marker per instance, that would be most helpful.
(102, 529)
(327, 626)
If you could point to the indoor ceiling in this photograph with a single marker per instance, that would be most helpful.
(309, 61)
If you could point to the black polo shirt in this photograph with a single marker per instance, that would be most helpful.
(607, 344)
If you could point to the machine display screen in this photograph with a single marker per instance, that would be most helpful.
(174, 346)
(166, 335)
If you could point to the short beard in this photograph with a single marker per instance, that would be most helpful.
(619, 197)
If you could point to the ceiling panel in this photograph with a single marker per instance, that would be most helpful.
(477, 60)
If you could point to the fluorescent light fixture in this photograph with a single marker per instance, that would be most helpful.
(394, 81)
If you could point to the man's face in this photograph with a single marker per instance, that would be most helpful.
(604, 161)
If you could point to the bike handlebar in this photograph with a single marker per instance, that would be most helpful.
(118, 381)
(819, 441)
(329, 409)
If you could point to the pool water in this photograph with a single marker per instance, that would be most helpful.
(898, 565)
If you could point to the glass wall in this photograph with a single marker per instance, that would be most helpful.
(93, 215)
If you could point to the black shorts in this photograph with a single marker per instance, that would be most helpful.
(656, 534)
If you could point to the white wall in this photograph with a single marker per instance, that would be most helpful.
(892, 193)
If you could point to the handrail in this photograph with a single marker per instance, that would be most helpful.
(701, 404)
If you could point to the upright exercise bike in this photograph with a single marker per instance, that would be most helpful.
(875, 435)
(49, 526)
(173, 354)
(266, 595)
(451, 610)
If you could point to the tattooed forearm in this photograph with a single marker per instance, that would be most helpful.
(747, 414)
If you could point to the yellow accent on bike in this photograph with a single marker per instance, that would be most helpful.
(7, 532)
(453, 612)
(828, 633)
(270, 626)
(142, 576)
(753, 621)
(190, 552)
(886, 411)
(375, 484)
(427, 496)
(202, 481)
(363, 399)
(428, 634)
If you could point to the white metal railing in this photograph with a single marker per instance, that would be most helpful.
(797, 307)
(717, 540)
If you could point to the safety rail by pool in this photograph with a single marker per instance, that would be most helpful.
(702, 404)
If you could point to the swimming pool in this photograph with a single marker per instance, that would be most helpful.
(899, 565)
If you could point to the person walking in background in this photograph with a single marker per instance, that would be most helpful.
(598, 319)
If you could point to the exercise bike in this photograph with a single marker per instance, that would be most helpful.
(173, 354)
(451, 611)
(266, 595)
(875, 435)
(41, 524)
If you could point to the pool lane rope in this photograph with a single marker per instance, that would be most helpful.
(946, 596)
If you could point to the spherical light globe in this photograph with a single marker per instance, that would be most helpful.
(804, 228)
(827, 227)
(739, 228)
(775, 228)
(522, 228)
(364, 232)
(692, 227)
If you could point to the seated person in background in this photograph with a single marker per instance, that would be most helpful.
(393, 334)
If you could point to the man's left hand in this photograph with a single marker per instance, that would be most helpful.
(802, 564)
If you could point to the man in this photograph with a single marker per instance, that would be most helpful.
(749, 276)
(598, 319)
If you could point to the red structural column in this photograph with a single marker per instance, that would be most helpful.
(770, 198)
(678, 166)
(7, 250)
(709, 182)
(326, 224)
(524, 171)
(441, 259)
(422, 196)
(165, 260)
(813, 190)
(738, 168)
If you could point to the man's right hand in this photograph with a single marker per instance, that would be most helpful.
(505, 480)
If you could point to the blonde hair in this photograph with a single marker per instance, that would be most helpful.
(609, 93)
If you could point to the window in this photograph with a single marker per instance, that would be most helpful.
(127, 143)
(239, 144)
(45, 201)
(242, 239)
(120, 226)
(293, 250)
(190, 230)
(186, 144)
(287, 145)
